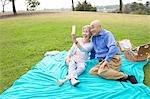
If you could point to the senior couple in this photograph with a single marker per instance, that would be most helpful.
(101, 44)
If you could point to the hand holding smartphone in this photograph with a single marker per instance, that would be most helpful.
(73, 29)
(73, 33)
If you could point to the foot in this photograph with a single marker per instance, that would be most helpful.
(74, 81)
(132, 79)
(60, 82)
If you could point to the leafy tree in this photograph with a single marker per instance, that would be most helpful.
(127, 8)
(85, 6)
(4, 2)
(147, 4)
(32, 4)
(148, 7)
(137, 8)
(134, 6)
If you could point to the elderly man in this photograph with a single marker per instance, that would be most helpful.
(108, 54)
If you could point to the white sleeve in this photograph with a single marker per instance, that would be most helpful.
(71, 51)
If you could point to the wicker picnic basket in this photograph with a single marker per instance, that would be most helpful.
(140, 53)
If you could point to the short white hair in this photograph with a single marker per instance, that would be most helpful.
(86, 27)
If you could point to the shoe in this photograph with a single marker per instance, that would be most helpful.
(122, 79)
(132, 79)
(74, 81)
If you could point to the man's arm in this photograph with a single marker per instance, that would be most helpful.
(112, 46)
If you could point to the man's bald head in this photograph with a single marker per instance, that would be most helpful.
(96, 27)
(97, 22)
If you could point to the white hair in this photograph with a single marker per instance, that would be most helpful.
(86, 27)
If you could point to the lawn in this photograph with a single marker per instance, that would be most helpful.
(25, 39)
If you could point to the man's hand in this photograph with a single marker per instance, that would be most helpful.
(104, 65)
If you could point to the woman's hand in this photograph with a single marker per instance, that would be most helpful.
(68, 59)
(74, 37)
(73, 33)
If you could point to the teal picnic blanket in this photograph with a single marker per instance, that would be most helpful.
(41, 82)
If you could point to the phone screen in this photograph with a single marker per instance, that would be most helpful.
(73, 29)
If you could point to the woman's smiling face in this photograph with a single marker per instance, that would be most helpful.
(86, 33)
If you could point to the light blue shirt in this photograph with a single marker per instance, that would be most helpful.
(105, 45)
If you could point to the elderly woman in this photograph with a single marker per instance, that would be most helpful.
(77, 55)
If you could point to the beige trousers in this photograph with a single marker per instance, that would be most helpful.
(111, 71)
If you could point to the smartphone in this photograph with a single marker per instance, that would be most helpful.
(73, 29)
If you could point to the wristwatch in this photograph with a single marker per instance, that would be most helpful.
(76, 42)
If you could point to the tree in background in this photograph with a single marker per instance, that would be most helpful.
(134, 6)
(14, 7)
(148, 6)
(4, 2)
(85, 6)
(127, 8)
(120, 6)
(137, 8)
(73, 6)
(32, 4)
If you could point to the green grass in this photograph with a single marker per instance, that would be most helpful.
(24, 40)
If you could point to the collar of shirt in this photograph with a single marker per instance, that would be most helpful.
(102, 32)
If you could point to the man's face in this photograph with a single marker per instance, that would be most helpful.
(95, 29)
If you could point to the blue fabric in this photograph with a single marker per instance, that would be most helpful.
(105, 45)
(41, 82)
(92, 54)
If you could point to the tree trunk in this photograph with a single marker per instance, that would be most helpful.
(121, 4)
(72, 5)
(4, 2)
(14, 8)
(3, 8)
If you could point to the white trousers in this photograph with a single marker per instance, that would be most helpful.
(75, 69)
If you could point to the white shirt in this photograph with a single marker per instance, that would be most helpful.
(80, 54)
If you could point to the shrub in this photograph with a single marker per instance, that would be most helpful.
(85, 6)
